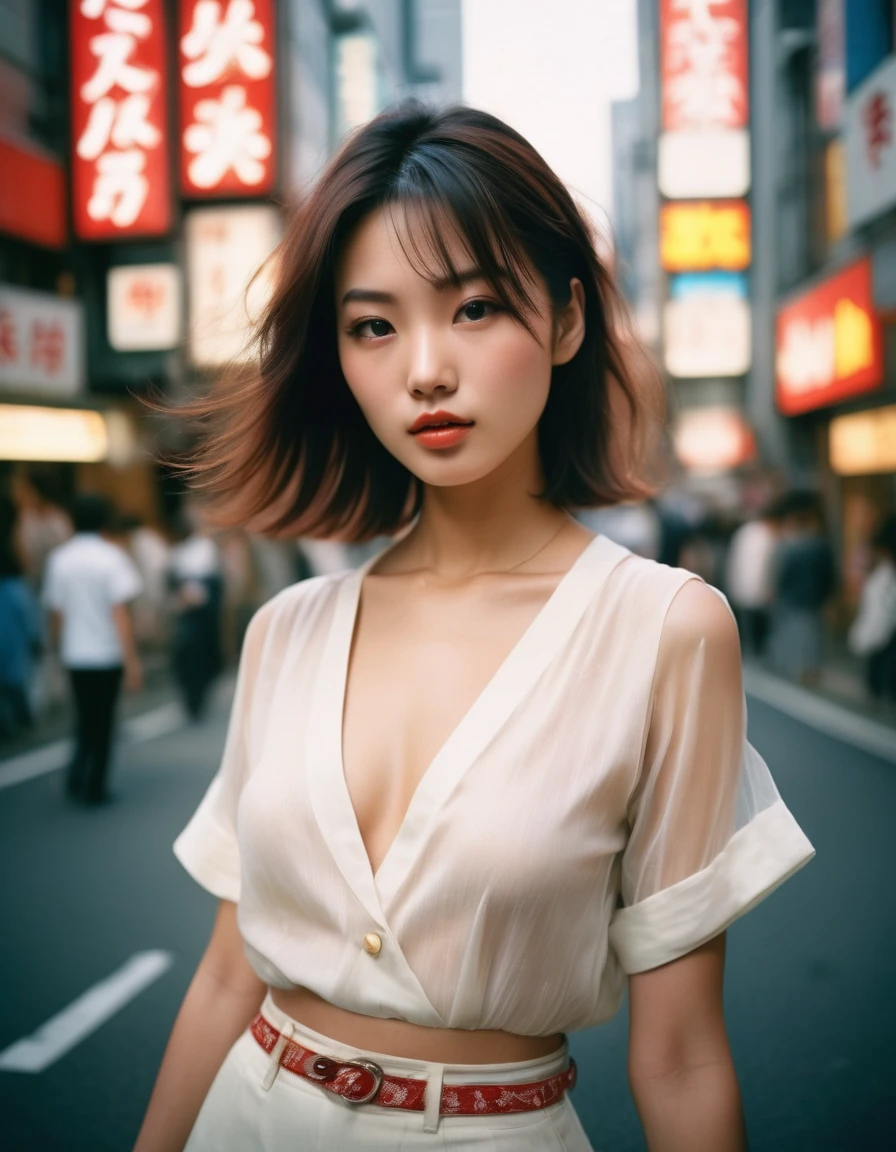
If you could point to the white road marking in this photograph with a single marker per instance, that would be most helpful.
(159, 721)
(98, 1004)
(48, 758)
(823, 714)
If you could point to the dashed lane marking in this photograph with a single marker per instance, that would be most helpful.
(159, 721)
(75, 1023)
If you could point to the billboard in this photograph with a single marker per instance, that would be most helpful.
(228, 280)
(705, 235)
(120, 178)
(143, 307)
(871, 145)
(226, 76)
(703, 50)
(706, 326)
(41, 343)
(829, 342)
(704, 147)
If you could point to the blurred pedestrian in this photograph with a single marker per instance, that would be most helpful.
(151, 552)
(749, 573)
(89, 585)
(804, 580)
(42, 525)
(196, 581)
(873, 632)
(21, 630)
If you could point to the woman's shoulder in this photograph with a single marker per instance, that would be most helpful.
(292, 615)
(685, 609)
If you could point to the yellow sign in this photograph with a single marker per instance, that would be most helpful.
(864, 442)
(853, 340)
(706, 235)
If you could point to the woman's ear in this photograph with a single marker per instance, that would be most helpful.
(569, 325)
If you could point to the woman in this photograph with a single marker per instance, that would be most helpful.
(472, 785)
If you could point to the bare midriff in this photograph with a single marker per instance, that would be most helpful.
(411, 1041)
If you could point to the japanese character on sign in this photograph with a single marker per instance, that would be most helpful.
(704, 81)
(120, 188)
(9, 341)
(877, 118)
(228, 135)
(219, 41)
(123, 123)
(47, 345)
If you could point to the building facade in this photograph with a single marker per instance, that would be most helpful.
(794, 102)
(150, 153)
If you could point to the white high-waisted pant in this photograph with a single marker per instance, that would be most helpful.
(241, 1115)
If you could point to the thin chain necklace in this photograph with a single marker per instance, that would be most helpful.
(537, 552)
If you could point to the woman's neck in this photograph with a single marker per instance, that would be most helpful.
(492, 525)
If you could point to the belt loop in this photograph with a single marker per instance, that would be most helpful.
(276, 1054)
(432, 1098)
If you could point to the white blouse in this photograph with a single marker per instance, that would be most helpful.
(596, 812)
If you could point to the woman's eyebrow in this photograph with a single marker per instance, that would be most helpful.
(375, 296)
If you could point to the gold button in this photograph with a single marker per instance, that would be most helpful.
(373, 944)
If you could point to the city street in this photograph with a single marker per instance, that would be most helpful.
(96, 896)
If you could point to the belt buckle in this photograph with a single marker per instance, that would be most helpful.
(372, 1069)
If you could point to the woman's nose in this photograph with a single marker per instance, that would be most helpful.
(430, 369)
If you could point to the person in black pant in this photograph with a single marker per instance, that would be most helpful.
(89, 583)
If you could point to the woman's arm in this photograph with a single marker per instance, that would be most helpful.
(223, 997)
(680, 1068)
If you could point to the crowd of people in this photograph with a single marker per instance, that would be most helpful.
(779, 572)
(87, 595)
(90, 597)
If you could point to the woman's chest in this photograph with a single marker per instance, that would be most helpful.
(417, 667)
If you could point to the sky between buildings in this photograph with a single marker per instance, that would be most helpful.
(550, 69)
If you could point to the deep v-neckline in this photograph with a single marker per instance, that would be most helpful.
(518, 671)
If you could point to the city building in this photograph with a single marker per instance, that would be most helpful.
(150, 154)
(756, 239)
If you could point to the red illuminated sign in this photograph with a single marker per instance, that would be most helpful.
(829, 343)
(704, 64)
(227, 97)
(120, 161)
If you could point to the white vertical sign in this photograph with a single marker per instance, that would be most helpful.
(229, 278)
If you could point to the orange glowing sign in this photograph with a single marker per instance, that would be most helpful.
(705, 235)
(829, 343)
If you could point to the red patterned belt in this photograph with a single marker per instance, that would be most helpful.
(364, 1082)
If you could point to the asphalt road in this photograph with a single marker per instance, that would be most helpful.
(810, 990)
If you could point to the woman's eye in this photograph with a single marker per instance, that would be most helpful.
(372, 329)
(478, 310)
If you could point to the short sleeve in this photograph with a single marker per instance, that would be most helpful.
(208, 847)
(125, 582)
(710, 836)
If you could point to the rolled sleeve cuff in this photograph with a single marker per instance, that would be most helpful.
(211, 857)
(671, 923)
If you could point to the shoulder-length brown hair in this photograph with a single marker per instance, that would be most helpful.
(288, 450)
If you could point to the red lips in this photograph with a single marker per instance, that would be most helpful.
(434, 419)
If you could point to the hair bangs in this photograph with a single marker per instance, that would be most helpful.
(433, 200)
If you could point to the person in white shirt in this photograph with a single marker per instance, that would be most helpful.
(748, 578)
(873, 632)
(88, 586)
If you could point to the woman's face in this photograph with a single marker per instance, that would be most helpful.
(450, 383)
